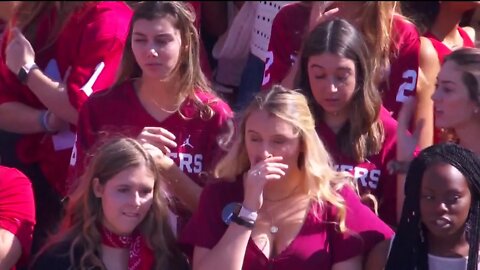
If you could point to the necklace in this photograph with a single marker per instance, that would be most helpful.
(273, 227)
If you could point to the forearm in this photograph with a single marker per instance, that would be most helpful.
(183, 187)
(10, 250)
(52, 95)
(19, 118)
(400, 194)
(229, 253)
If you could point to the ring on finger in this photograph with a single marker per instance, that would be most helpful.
(256, 173)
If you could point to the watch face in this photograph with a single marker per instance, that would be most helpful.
(229, 211)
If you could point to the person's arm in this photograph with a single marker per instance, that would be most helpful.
(429, 67)
(20, 118)
(10, 249)
(354, 263)
(228, 254)
(377, 259)
(182, 186)
(19, 52)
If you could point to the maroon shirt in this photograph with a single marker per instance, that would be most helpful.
(371, 175)
(316, 247)
(17, 208)
(118, 111)
(85, 57)
(289, 26)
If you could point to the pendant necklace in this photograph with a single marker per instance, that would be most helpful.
(273, 227)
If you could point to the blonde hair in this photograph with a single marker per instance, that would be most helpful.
(322, 182)
(191, 77)
(84, 210)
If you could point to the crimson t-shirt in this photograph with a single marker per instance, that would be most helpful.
(118, 111)
(85, 57)
(372, 174)
(317, 246)
(17, 208)
(288, 28)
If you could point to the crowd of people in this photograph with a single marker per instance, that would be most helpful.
(338, 135)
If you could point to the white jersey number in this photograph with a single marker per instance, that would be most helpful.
(411, 76)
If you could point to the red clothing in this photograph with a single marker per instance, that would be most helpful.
(204, 63)
(317, 245)
(288, 28)
(442, 52)
(119, 111)
(17, 208)
(372, 175)
(89, 50)
(442, 49)
(404, 64)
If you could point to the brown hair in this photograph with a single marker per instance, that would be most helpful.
(363, 134)
(182, 16)
(84, 209)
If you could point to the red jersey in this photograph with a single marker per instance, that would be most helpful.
(288, 28)
(316, 246)
(118, 111)
(401, 81)
(17, 208)
(85, 58)
(371, 175)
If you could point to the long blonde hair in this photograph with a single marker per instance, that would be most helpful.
(84, 209)
(322, 182)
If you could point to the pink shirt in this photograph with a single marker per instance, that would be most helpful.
(317, 246)
(17, 208)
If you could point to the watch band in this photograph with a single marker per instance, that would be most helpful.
(243, 222)
(24, 71)
(247, 214)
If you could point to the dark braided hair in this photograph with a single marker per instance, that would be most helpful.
(410, 247)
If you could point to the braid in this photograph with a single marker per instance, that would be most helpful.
(410, 245)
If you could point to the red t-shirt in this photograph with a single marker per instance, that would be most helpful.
(404, 64)
(17, 208)
(119, 112)
(316, 246)
(442, 52)
(85, 57)
(288, 28)
(372, 175)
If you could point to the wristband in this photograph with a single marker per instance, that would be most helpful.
(44, 121)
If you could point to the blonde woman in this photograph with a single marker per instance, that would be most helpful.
(282, 204)
(117, 218)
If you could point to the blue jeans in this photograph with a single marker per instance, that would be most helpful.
(250, 82)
